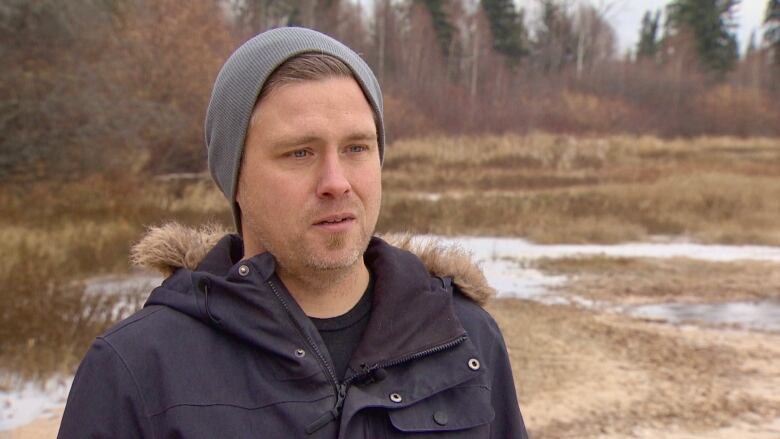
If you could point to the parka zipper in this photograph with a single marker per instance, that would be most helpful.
(439, 348)
(341, 389)
(332, 414)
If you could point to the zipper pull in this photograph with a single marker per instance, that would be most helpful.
(332, 414)
(320, 422)
(341, 395)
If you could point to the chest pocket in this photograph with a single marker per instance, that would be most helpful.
(463, 412)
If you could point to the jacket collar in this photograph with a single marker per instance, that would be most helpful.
(172, 246)
(412, 310)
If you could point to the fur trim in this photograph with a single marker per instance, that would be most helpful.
(172, 246)
(448, 261)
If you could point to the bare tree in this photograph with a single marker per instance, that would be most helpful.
(596, 40)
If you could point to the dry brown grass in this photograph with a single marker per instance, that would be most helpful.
(647, 280)
(561, 189)
(53, 237)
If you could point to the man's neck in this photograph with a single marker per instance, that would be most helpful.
(326, 293)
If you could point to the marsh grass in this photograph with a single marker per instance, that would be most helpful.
(722, 208)
(651, 280)
(53, 237)
(555, 189)
(47, 328)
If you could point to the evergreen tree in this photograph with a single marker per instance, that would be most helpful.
(710, 23)
(442, 26)
(507, 27)
(648, 36)
(772, 34)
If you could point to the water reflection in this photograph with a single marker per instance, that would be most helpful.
(759, 315)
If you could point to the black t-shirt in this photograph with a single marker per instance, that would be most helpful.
(342, 334)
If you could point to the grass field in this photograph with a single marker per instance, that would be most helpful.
(558, 189)
(547, 188)
(55, 236)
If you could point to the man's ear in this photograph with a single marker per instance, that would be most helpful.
(239, 185)
(239, 201)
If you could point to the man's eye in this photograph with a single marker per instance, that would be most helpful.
(358, 148)
(299, 153)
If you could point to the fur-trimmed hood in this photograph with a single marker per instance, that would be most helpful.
(173, 246)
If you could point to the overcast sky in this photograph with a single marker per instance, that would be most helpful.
(626, 17)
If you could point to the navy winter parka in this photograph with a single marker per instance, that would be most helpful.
(223, 351)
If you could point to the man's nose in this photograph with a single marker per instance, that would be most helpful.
(333, 181)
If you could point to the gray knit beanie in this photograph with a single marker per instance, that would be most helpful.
(239, 83)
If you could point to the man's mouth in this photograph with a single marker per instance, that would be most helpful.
(335, 219)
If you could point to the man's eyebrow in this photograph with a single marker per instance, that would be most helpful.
(307, 139)
(365, 135)
(294, 141)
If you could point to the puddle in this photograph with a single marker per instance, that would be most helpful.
(503, 261)
(512, 279)
(761, 315)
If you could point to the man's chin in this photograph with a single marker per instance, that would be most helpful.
(338, 251)
(337, 241)
(334, 261)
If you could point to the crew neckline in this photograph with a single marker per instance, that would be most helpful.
(349, 318)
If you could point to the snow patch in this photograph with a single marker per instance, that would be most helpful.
(122, 284)
(32, 401)
(487, 248)
(505, 262)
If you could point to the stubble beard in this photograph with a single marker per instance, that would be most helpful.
(336, 242)
(328, 255)
(305, 255)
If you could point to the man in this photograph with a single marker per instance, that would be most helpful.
(304, 325)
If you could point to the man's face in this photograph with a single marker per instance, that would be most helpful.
(310, 183)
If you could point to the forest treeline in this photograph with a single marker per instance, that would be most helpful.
(121, 86)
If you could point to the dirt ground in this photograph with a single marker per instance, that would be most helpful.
(584, 374)
(588, 375)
